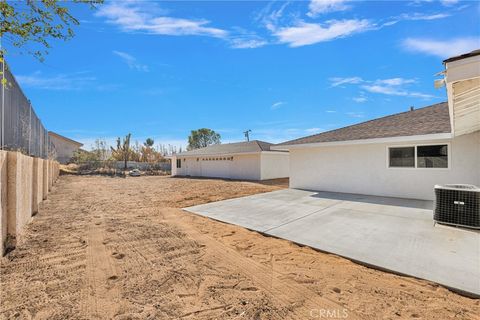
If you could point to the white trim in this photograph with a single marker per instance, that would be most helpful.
(449, 156)
(426, 137)
(275, 152)
(227, 154)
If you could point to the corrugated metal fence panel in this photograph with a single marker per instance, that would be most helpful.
(22, 130)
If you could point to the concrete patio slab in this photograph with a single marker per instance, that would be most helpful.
(388, 233)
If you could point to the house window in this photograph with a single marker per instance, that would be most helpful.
(426, 156)
(403, 157)
(432, 156)
(179, 163)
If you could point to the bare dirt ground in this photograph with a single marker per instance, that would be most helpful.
(113, 248)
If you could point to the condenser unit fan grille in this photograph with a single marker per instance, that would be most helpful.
(458, 205)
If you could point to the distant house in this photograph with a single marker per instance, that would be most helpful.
(64, 147)
(401, 155)
(253, 160)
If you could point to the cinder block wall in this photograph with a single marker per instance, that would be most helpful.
(45, 179)
(24, 183)
(3, 200)
(37, 184)
(19, 194)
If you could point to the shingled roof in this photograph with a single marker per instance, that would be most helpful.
(230, 148)
(427, 120)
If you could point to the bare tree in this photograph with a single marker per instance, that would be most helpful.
(123, 151)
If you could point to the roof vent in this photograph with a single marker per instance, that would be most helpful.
(412, 108)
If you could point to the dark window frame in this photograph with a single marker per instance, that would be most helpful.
(427, 163)
(390, 149)
(447, 145)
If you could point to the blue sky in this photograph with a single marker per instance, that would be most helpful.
(282, 69)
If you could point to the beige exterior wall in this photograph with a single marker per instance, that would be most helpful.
(3, 200)
(254, 166)
(64, 148)
(242, 167)
(37, 184)
(19, 194)
(462, 80)
(275, 165)
(45, 179)
(363, 169)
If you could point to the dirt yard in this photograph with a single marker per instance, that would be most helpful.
(114, 248)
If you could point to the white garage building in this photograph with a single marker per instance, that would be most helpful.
(402, 155)
(252, 160)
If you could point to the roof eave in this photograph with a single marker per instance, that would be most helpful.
(65, 138)
(425, 137)
(226, 154)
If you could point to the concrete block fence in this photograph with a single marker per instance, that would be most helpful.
(24, 184)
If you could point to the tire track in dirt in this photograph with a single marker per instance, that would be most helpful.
(280, 288)
(101, 295)
(44, 274)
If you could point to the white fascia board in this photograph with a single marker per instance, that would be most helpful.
(275, 152)
(426, 137)
(464, 69)
(216, 154)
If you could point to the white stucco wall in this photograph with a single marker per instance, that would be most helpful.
(275, 165)
(242, 167)
(363, 169)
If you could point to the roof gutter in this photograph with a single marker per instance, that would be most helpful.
(426, 137)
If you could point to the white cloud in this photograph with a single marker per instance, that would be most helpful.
(395, 91)
(449, 2)
(331, 111)
(247, 43)
(131, 61)
(360, 99)
(390, 86)
(337, 81)
(270, 18)
(60, 82)
(442, 48)
(277, 105)
(395, 81)
(421, 16)
(303, 33)
(446, 3)
(317, 7)
(415, 16)
(135, 16)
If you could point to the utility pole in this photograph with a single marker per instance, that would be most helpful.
(247, 134)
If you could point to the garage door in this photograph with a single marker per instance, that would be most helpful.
(216, 168)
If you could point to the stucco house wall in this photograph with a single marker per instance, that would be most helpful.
(363, 169)
(64, 148)
(242, 167)
(275, 165)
